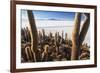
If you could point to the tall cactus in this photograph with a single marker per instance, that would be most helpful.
(79, 36)
(34, 35)
(43, 32)
(84, 28)
(75, 37)
(62, 36)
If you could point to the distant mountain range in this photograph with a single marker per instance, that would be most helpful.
(52, 19)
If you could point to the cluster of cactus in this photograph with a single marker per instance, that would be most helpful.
(51, 48)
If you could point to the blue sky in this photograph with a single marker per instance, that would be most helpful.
(48, 15)
(54, 15)
(57, 15)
